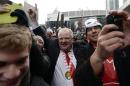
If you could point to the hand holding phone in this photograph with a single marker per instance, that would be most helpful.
(5, 15)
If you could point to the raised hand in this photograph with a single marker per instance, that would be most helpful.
(33, 13)
(109, 40)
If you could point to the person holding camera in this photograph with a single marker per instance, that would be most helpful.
(113, 47)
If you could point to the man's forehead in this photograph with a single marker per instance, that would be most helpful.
(65, 32)
(99, 27)
(13, 60)
(64, 35)
(13, 54)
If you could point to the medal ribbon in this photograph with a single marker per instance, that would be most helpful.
(72, 68)
(67, 58)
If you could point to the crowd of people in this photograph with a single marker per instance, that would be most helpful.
(32, 57)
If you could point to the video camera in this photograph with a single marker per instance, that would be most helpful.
(117, 20)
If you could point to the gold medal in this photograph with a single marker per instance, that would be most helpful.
(68, 75)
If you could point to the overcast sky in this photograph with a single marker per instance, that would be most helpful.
(48, 6)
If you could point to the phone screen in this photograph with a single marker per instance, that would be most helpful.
(6, 18)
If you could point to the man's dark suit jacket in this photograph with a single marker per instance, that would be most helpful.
(86, 77)
(53, 51)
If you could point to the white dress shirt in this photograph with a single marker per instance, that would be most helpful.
(61, 68)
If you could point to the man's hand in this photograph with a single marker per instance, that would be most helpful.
(33, 14)
(109, 40)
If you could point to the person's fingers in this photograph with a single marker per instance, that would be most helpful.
(112, 41)
(124, 14)
(108, 28)
(30, 11)
(4, 8)
(111, 35)
(115, 46)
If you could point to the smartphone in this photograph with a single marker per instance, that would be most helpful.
(5, 18)
(117, 20)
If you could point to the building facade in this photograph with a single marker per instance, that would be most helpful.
(74, 19)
